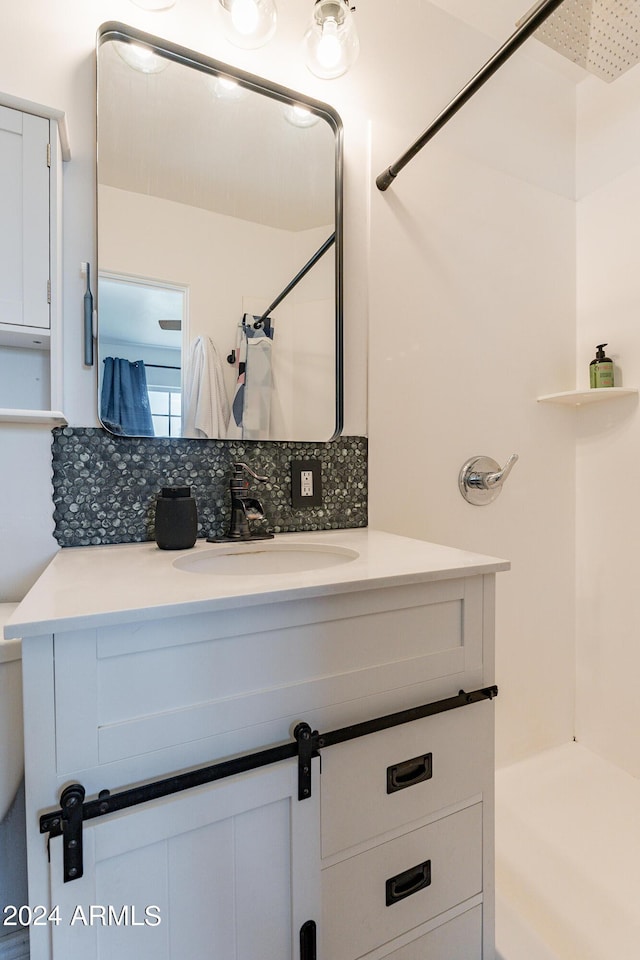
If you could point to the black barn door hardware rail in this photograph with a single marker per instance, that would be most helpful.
(74, 810)
(535, 19)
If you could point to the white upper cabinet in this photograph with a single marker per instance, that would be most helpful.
(24, 239)
(33, 144)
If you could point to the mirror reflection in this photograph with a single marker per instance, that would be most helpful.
(219, 250)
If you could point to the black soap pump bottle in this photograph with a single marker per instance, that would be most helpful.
(601, 369)
(176, 519)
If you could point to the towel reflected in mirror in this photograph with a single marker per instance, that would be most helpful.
(251, 406)
(205, 406)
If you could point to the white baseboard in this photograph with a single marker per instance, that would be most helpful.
(15, 946)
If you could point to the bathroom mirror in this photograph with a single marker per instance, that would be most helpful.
(219, 293)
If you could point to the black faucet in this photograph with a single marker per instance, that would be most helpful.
(243, 508)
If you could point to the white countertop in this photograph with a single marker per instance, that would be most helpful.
(99, 586)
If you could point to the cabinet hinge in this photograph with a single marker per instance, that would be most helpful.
(48, 154)
(48, 291)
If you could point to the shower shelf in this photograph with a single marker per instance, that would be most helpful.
(576, 398)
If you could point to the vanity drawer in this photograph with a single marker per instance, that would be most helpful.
(458, 939)
(379, 782)
(447, 855)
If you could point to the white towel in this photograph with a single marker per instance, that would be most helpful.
(205, 410)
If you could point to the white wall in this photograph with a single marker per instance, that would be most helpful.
(26, 514)
(472, 306)
(25, 379)
(608, 460)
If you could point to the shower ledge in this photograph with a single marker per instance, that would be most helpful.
(576, 398)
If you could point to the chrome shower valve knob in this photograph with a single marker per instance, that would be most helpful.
(481, 478)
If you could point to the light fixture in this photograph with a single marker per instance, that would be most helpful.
(331, 42)
(154, 4)
(248, 23)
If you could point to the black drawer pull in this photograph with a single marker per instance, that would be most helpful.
(409, 772)
(408, 882)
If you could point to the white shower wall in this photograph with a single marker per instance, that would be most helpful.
(608, 446)
(472, 316)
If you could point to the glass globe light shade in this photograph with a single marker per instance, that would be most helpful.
(331, 42)
(248, 23)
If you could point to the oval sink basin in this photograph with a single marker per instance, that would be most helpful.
(265, 557)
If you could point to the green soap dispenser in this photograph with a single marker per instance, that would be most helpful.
(601, 369)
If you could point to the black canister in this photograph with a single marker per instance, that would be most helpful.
(176, 519)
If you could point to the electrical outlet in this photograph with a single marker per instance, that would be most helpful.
(306, 483)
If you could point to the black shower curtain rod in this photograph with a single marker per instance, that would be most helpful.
(298, 277)
(524, 31)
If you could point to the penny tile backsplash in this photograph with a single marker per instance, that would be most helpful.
(105, 487)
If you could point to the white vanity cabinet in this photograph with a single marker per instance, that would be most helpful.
(390, 856)
(33, 143)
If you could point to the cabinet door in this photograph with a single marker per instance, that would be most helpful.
(24, 227)
(229, 871)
